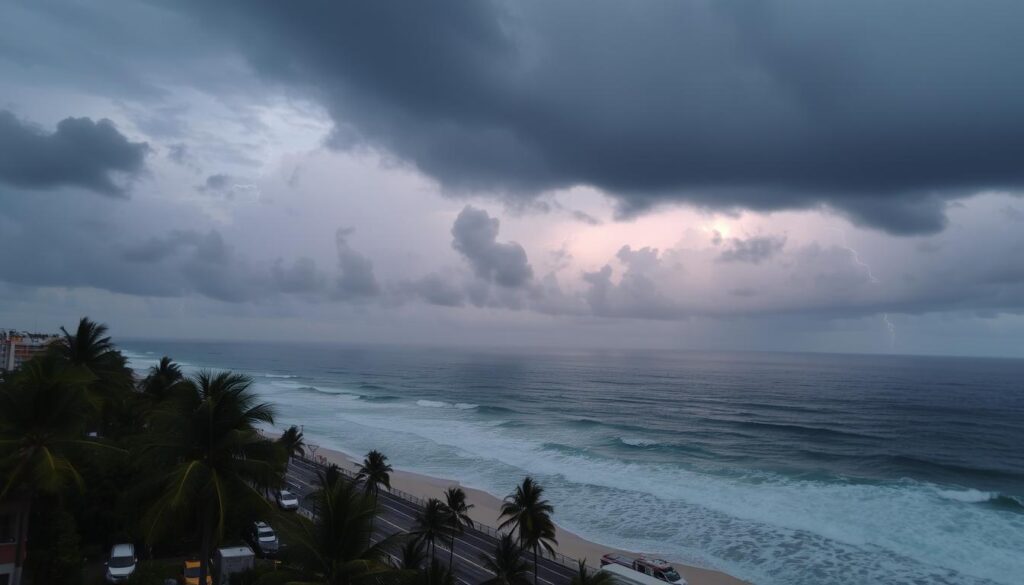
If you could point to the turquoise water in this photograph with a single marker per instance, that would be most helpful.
(778, 468)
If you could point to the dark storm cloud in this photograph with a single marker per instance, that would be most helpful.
(80, 153)
(880, 110)
(753, 250)
(475, 234)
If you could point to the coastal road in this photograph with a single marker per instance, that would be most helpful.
(398, 515)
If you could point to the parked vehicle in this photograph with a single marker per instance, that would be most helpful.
(287, 500)
(262, 539)
(191, 573)
(232, 559)
(657, 568)
(627, 576)
(121, 563)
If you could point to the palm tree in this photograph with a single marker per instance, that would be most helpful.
(584, 576)
(412, 556)
(526, 512)
(162, 380)
(218, 461)
(436, 574)
(328, 476)
(90, 348)
(336, 547)
(458, 516)
(507, 564)
(293, 443)
(42, 427)
(374, 472)
(411, 560)
(432, 523)
(42, 450)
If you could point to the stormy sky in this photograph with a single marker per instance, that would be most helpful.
(713, 175)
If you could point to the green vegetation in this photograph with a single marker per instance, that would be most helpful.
(507, 564)
(336, 545)
(528, 514)
(432, 524)
(206, 437)
(155, 572)
(374, 472)
(584, 576)
(458, 516)
(178, 465)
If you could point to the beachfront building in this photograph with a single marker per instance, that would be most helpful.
(13, 534)
(17, 347)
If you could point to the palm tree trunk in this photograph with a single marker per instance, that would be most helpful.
(204, 553)
(376, 508)
(451, 553)
(430, 568)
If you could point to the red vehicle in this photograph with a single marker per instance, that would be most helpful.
(657, 568)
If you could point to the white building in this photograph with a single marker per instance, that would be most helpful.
(17, 347)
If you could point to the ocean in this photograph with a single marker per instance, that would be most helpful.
(777, 468)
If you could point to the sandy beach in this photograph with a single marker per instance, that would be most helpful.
(486, 511)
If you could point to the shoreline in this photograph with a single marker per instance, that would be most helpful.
(486, 508)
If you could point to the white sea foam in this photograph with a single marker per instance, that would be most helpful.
(849, 533)
(432, 403)
(441, 404)
(970, 496)
(639, 442)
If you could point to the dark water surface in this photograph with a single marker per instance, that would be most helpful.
(779, 468)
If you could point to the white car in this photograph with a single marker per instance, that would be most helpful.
(287, 500)
(263, 539)
(122, 563)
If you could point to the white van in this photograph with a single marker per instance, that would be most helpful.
(121, 563)
(627, 576)
(232, 559)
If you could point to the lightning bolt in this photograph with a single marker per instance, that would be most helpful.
(892, 330)
(889, 325)
(856, 258)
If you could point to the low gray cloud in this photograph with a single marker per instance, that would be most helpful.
(216, 182)
(157, 249)
(301, 277)
(435, 289)
(357, 280)
(754, 250)
(229, 187)
(475, 234)
(585, 217)
(81, 153)
(178, 153)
